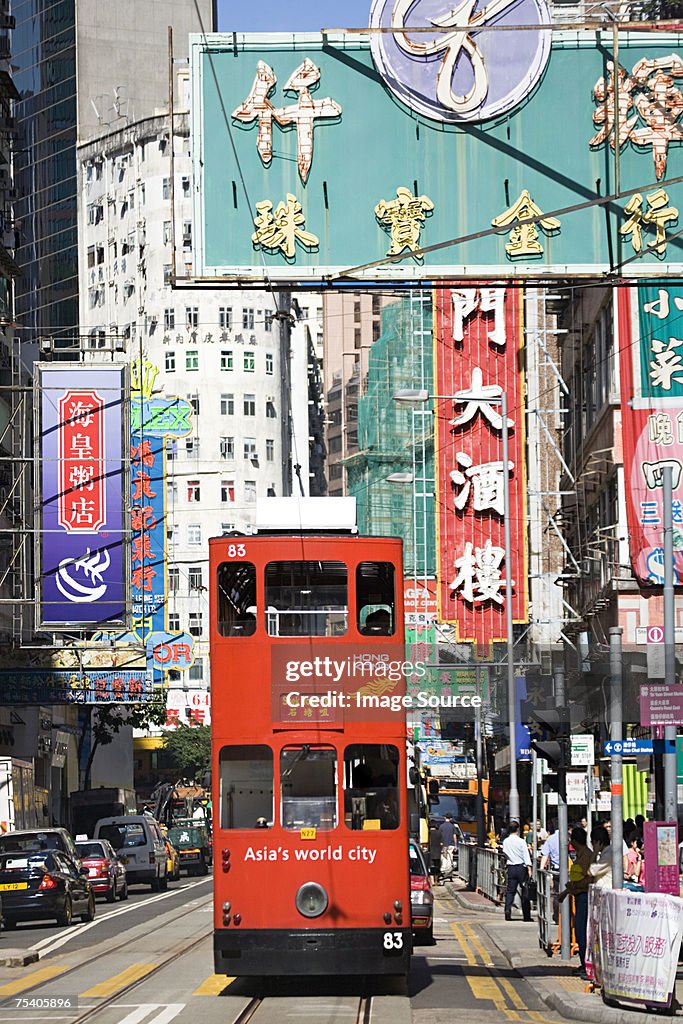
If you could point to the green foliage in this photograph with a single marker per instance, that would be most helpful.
(189, 747)
(661, 10)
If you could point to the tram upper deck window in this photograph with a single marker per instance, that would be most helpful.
(236, 599)
(371, 786)
(246, 786)
(308, 780)
(306, 599)
(375, 599)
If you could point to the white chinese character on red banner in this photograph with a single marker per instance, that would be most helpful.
(82, 512)
(478, 398)
(486, 480)
(82, 413)
(479, 577)
(303, 113)
(488, 300)
(81, 477)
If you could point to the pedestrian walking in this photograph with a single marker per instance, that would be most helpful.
(518, 871)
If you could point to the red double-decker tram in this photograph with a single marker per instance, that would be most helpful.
(310, 808)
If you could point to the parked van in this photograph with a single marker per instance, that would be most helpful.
(139, 845)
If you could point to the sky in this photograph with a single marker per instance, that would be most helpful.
(291, 15)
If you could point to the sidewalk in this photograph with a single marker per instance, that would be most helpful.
(551, 978)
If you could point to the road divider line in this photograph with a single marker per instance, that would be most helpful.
(29, 980)
(213, 985)
(512, 993)
(119, 981)
(483, 953)
(464, 945)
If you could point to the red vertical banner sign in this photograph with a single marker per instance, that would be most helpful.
(477, 339)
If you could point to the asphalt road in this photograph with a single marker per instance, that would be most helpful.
(149, 961)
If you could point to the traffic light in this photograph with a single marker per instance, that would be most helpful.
(549, 728)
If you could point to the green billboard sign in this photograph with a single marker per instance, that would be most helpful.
(319, 159)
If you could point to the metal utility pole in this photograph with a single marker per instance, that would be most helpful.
(670, 780)
(481, 824)
(616, 735)
(562, 819)
(513, 802)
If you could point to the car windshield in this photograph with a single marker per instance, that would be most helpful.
(131, 834)
(91, 850)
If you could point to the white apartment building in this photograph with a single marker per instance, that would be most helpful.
(242, 370)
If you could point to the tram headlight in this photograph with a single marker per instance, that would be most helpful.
(398, 906)
(311, 900)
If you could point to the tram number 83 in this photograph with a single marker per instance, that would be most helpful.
(393, 942)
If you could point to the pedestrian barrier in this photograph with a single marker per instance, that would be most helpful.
(545, 889)
(483, 868)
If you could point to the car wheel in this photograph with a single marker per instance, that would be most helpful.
(203, 868)
(65, 918)
(111, 895)
(10, 923)
(123, 895)
(89, 915)
(163, 883)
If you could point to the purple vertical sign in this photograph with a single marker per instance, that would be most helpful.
(83, 571)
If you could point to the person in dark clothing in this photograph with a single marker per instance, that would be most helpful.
(447, 830)
(435, 847)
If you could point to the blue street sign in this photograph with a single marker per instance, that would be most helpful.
(628, 747)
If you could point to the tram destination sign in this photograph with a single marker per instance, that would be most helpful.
(325, 158)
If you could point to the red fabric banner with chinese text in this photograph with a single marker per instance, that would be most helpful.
(478, 333)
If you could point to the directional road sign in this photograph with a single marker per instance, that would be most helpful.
(628, 747)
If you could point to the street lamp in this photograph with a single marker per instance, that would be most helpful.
(421, 395)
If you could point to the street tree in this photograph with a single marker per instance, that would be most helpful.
(105, 721)
(189, 748)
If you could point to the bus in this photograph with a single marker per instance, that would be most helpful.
(458, 796)
(309, 757)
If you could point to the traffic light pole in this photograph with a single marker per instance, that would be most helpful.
(616, 735)
(562, 819)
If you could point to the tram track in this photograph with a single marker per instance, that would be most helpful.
(363, 1014)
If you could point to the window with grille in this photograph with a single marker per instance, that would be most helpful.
(227, 447)
(248, 319)
(227, 405)
(269, 362)
(225, 318)
(169, 319)
(195, 623)
(226, 359)
(192, 317)
(250, 405)
(270, 449)
(173, 581)
(195, 577)
(250, 490)
(169, 362)
(249, 362)
(193, 490)
(227, 490)
(192, 359)
(174, 622)
(194, 534)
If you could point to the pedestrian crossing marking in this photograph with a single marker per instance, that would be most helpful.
(107, 988)
(167, 1011)
(29, 980)
(213, 985)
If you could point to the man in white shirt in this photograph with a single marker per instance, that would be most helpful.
(518, 870)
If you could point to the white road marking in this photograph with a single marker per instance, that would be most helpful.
(51, 943)
(167, 1012)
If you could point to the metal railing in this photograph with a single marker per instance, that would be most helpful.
(483, 868)
(546, 886)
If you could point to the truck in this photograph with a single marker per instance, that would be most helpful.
(87, 806)
(21, 804)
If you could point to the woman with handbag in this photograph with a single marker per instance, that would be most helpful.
(580, 878)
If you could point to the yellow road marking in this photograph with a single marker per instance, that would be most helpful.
(512, 994)
(483, 953)
(44, 974)
(119, 981)
(486, 988)
(213, 986)
(464, 945)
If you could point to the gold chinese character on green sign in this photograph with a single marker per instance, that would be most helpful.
(524, 237)
(282, 228)
(404, 217)
(657, 216)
